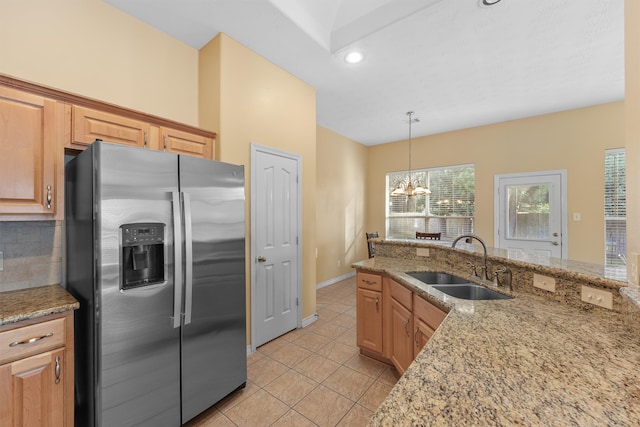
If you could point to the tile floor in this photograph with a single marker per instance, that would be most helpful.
(313, 376)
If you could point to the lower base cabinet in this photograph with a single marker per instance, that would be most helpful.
(402, 333)
(369, 303)
(393, 323)
(426, 319)
(32, 391)
(36, 373)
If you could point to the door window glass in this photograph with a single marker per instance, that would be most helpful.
(528, 212)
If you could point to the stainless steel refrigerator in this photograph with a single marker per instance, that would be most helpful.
(155, 253)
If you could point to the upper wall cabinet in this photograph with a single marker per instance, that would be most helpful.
(38, 123)
(179, 142)
(90, 124)
(32, 133)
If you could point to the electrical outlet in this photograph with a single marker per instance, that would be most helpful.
(577, 216)
(544, 282)
(422, 251)
(597, 297)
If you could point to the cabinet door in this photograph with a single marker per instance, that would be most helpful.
(369, 322)
(402, 336)
(421, 335)
(32, 391)
(179, 142)
(31, 157)
(89, 125)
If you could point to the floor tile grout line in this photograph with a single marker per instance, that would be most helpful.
(342, 309)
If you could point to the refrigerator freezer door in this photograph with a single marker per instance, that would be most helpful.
(138, 371)
(214, 342)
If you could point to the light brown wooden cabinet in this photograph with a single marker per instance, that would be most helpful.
(180, 142)
(401, 326)
(402, 341)
(32, 133)
(36, 373)
(38, 123)
(426, 319)
(369, 320)
(90, 124)
(393, 323)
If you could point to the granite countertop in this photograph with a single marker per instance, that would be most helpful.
(32, 303)
(524, 361)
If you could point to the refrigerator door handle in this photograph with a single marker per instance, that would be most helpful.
(188, 238)
(177, 258)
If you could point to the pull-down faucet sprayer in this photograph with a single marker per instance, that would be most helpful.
(468, 238)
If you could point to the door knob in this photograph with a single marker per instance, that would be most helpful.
(555, 234)
(555, 243)
(261, 259)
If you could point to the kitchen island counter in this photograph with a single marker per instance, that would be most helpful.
(524, 361)
(33, 303)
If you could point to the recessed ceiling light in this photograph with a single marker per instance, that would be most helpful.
(353, 57)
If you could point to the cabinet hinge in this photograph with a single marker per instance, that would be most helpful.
(297, 303)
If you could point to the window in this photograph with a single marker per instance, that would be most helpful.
(448, 209)
(615, 209)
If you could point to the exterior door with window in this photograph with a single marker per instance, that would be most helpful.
(530, 213)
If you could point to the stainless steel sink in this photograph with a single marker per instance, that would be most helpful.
(470, 291)
(437, 278)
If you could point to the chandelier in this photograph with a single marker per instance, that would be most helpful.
(408, 186)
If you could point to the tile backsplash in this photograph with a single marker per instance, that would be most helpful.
(32, 254)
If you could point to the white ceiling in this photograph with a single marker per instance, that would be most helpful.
(457, 64)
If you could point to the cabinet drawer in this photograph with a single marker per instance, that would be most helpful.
(15, 343)
(370, 281)
(427, 312)
(400, 294)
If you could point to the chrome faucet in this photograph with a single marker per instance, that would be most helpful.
(468, 238)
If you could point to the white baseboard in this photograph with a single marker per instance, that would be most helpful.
(335, 280)
(309, 320)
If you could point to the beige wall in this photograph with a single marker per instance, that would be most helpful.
(341, 191)
(632, 133)
(89, 48)
(260, 103)
(574, 140)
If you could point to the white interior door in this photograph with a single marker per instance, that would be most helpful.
(530, 213)
(275, 242)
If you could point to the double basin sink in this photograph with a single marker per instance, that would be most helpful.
(457, 286)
